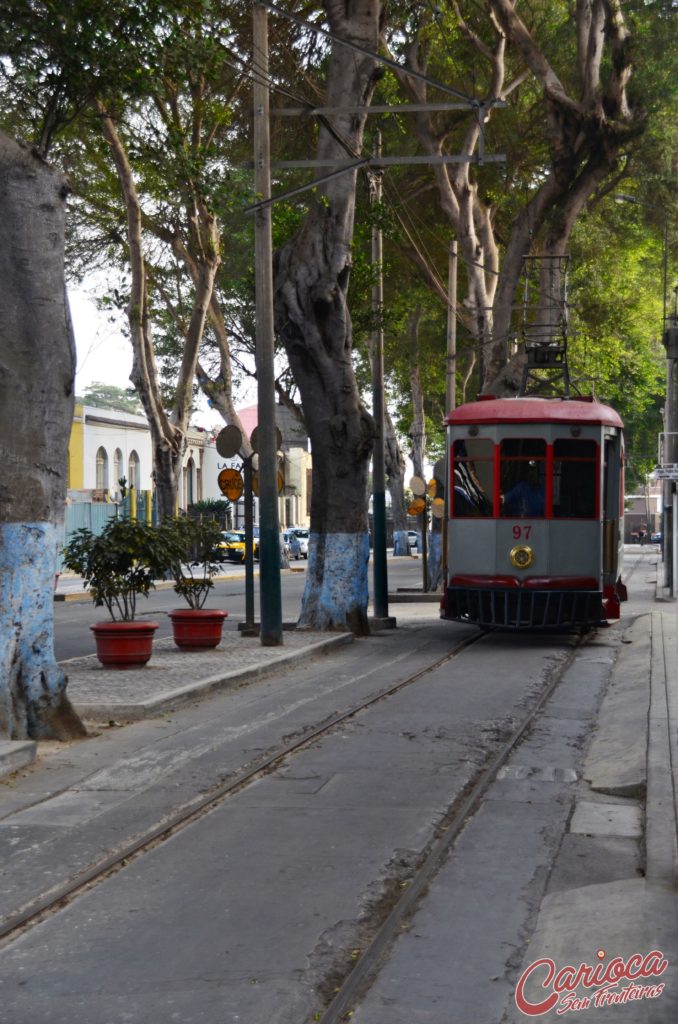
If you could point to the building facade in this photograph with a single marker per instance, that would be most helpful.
(108, 446)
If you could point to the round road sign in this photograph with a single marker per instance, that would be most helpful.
(229, 441)
(254, 439)
(230, 483)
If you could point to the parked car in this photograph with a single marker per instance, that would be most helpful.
(232, 546)
(293, 544)
(656, 538)
(302, 535)
(413, 539)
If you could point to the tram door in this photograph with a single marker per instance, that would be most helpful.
(613, 506)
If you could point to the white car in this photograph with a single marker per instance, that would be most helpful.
(301, 533)
(413, 539)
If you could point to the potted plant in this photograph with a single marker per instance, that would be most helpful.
(117, 566)
(188, 547)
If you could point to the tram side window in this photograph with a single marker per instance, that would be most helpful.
(574, 479)
(473, 471)
(523, 477)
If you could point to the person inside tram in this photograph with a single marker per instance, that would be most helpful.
(526, 497)
(469, 499)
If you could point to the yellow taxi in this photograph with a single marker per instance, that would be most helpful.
(231, 548)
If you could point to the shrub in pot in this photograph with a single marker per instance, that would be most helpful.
(117, 566)
(188, 547)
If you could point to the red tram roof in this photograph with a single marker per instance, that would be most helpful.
(535, 410)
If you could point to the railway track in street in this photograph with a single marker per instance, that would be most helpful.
(389, 922)
(65, 894)
(357, 981)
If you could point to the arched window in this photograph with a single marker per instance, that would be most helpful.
(102, 470)
(133, 471)
(117, 469)
(189, 485)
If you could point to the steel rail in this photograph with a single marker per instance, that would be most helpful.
(357, 982)
(65, 894)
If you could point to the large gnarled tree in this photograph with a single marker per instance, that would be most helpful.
(313, 321)
(582, 73)
(37, 357)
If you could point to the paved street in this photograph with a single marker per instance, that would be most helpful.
(269, 900)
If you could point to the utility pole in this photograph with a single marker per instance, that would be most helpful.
(670, 518)
(451, 378)
(451, 389)
(380, 597)
(269, 526)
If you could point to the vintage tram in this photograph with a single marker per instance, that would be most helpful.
(535, 513)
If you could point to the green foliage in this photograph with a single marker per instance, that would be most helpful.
(118, 565)
(212, 508)
(616, 351)
(188, 549)
(107, 396)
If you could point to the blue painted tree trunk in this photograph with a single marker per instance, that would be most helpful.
(37, 356)
(313, 321)
(336, 592)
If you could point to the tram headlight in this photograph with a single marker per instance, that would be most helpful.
(521, 556)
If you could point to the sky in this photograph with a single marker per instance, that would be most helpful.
(105, 354)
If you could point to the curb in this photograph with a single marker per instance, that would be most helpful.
(181, 695)
(16, 754)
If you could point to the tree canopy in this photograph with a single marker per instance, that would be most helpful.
(588, 107)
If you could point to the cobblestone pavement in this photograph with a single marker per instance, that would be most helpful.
(173, 677)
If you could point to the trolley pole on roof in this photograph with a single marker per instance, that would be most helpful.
(269, 527)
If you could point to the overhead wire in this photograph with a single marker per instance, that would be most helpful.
(253, 73)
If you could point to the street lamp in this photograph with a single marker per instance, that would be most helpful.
(669, 335)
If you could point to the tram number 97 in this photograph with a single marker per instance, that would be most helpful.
(522, 532)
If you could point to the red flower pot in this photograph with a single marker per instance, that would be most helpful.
(124, 644)
(197, 628)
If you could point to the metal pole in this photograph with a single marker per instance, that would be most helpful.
(380, 575)
(669, 525)
(451, 383)
(452, 328)
(481, 352)
(424, 548)
(249, 628)
(269, 527)
(666, 271)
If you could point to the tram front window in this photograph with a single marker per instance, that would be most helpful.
(473, 470)
(523, 477)
(574, 479)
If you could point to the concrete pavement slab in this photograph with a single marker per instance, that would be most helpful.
(593, 925)
(16, 754)
(617, 759)
(173, 677)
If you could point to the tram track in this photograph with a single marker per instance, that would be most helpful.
(65, 894)
(366, 966)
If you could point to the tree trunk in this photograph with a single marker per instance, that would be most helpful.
(168, 432)
(37, 355)
(587, 132)
(313, 321)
